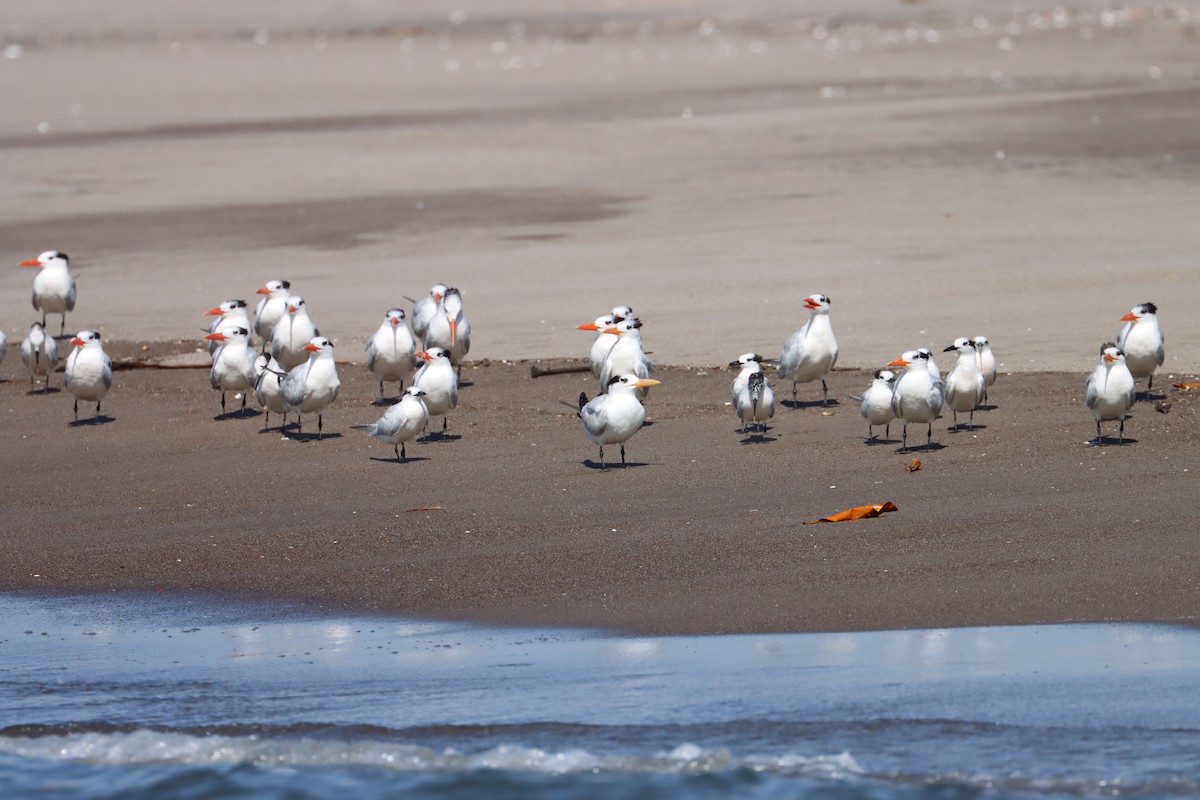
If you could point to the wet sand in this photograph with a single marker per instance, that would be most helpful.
(937, 169)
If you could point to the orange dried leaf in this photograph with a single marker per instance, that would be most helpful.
(1187, 386)
(857, 512)
(913, 465)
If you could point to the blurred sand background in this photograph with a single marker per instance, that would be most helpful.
(1023, 170)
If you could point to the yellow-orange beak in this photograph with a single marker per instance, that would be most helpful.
(30, 262)
(610, 330)
(898, 362)
(453, 332)
(1109, 357)
(216, 337)
(77, 340)
(423, 354)
(394, 320)
(587, 326)
(644, 382)
(262, 290)
(312, 348)
(292, 308)
(214, 312)
(1130, 317)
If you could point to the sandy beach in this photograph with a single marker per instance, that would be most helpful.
(1022, 171)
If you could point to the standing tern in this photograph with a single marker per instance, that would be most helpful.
(313, 385)
(439, 381)
(425, 309)
(267, 390)
(876, 405)
(402, 422)
(449, 329)
(233, 364)
(39, 351)
(391, 352)
(755, 402)
(987, 362)
(603, 341)
(270, 309)
(748, 364)
(811, 352)
(54, 287)
(89, 370)
(614, 417)
(1110, 392)
(626, 356)
(292, 334)
(965, 384)
(229, 314)
(1141, 340)
(917, 397)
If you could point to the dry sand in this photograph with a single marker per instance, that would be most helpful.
(939, 169)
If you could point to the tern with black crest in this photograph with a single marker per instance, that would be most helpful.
(614, 417)
(811, 353)
(53, 287)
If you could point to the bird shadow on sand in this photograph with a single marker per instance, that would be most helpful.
(757, 437)
(245, 413)
(606, 466)
(987, 407)
(875, 441)
(1150, 395)
(439, 436)
(310, 437)
(965, 426)
(385, 401)
(100, 419)
(395, 460)
(36, 392)
(1102, 441)
(932, 447)
(802, 404)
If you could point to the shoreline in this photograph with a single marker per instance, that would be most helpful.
(1016, 522)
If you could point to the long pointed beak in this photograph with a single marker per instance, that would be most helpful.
(809, 304)
(587, 326)
(262, 290)
(1109, 357)
(216, 337)
(394, 320)
(423, 354)
(610, 330)
(292, 308)
(310, 347)
(1130, 317)
(453, 332)
(644, 382)
(30, 262)
(214, 312)
(77, 341)
(898, 362)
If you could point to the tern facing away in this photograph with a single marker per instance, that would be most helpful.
(1141, 340)
(39, 351)
(425, 308)
(917, 396)
(89, 372)
(987, 362)
(811, 352)
(391, 351)
(266, 389)
(233, 364)
(402, 422)
(965, 384)
(614, 417)
(313, 385)
(54, 287)
(1110, 392)
(876, 405)
(270, 309)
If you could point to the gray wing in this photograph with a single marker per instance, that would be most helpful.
(292, 385)
(1091, 390)
(372, 354)
(71, 297)
(1161, 353)
(595, 415)
(106, 373)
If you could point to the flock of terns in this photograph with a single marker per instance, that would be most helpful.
(295, 372)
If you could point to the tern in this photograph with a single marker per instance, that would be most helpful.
(424, 310)
(603, 341)
(626, 356)
(266, 389)
(313, 385)
(89, 370)
(449, 329)
(1110, 392)
(233, 364)
(229, 314)
(439, 381)
(401, 422)
(270, 309)
(614, 417)
(930, 363)
(965, 384)
(39, 351)
(748, 364)
(876, 405)
(811, 352)
(292, 335)
(54, 287)
(755, 403)
(987, 362)
(1141, 340)
(917, 396)
(391, 352)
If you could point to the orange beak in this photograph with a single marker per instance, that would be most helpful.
(610, 330)
(394, 320)
(312, 348)
(30, 262)
(898, 362)
(214, 312)
(587, 326)
(1130, 317)
(1109, 357)
(453, 332)
(423, 354)
(77, 341)
(292, 308)
(810, 304)
(262, 290)
(216, 337)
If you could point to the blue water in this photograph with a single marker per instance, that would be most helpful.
(163, 697)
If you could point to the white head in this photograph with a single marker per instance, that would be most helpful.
(86, 339)
(912, 359)
(625, 327)
(817, 303)
(50, 258)
(746, 359)
(274, 288)
(415, 392)
(885, 375)
(962, 344)
(233, 333)
(607, 321)
(227, 307)
(629, 383)
(1110, 354)
(438, 292)
(434, 354)
(981, 342)
(394, 316)
(320, 346)
(622, 312)
(1137, 312)
(295, 305)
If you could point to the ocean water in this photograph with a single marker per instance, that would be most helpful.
(165, 697)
